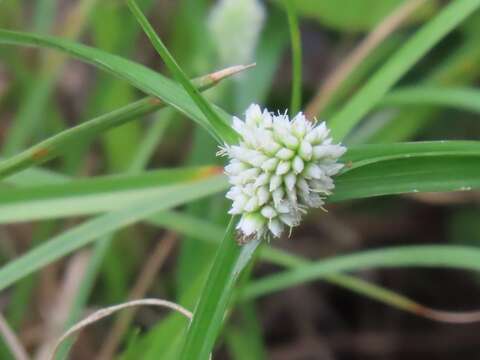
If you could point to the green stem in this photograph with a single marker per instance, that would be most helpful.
(295, 40)
(222, 129)
(57, 144)
(210, 310)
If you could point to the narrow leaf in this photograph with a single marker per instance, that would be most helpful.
(461, 98)
(92, 230)
(295, 41)
(220, 125)
(438, 256)
(99, 194)
(58, 144)
(210, 310)
(137, 75)
(420, 43)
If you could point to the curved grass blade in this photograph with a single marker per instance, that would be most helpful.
(41, 86)
(221, 126)
(462, 98)
(453, 71)
(370, 94)
(100, 194)
(372, 170)
(145, 149)
(34, 176)
(209, 232)
(92, 230)
(409, 175)
(210, 310)
(438, 256)
(362, 155)
(137, 75)
(55, 145)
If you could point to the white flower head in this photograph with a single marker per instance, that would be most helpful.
(280, 168)
(235, 26)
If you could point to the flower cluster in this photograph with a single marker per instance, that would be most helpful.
(235, 26)
(280, 168)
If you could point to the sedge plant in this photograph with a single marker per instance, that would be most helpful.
(277, 166)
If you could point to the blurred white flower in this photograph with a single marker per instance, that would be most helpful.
(281, 168)
(235, 26)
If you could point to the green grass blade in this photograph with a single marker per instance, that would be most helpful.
(461, 98)
(58, 144)
(374, 170)
(393, 169)
(361, 155)
(137, 75)
(420, 174)
(35, 103)
(460, 68)
(152, 138)
(360, 75)
(438, 256)
(34, 176)
(210, 310)
(295, 41)
(208, 232)
(101, 194)
(144, 151)
(92, 230)
(222, 127)
(369, 95)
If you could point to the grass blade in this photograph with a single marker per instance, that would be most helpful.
(210, 310)
(407, 168)
(208, 232)
(222, 127)
(394, 169)
(461, 98)
(295, 41)
(137, 75)
(34, 176)
(57, 144)
(432, 32)
(40, 88)
(441, 256)
(92, 230)
(453, 71)
(100, 194)
(421, 174)
(361, 155)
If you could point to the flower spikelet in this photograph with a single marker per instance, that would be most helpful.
(235, 26)
(280, 168)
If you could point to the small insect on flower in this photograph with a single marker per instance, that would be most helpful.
(280, 168)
